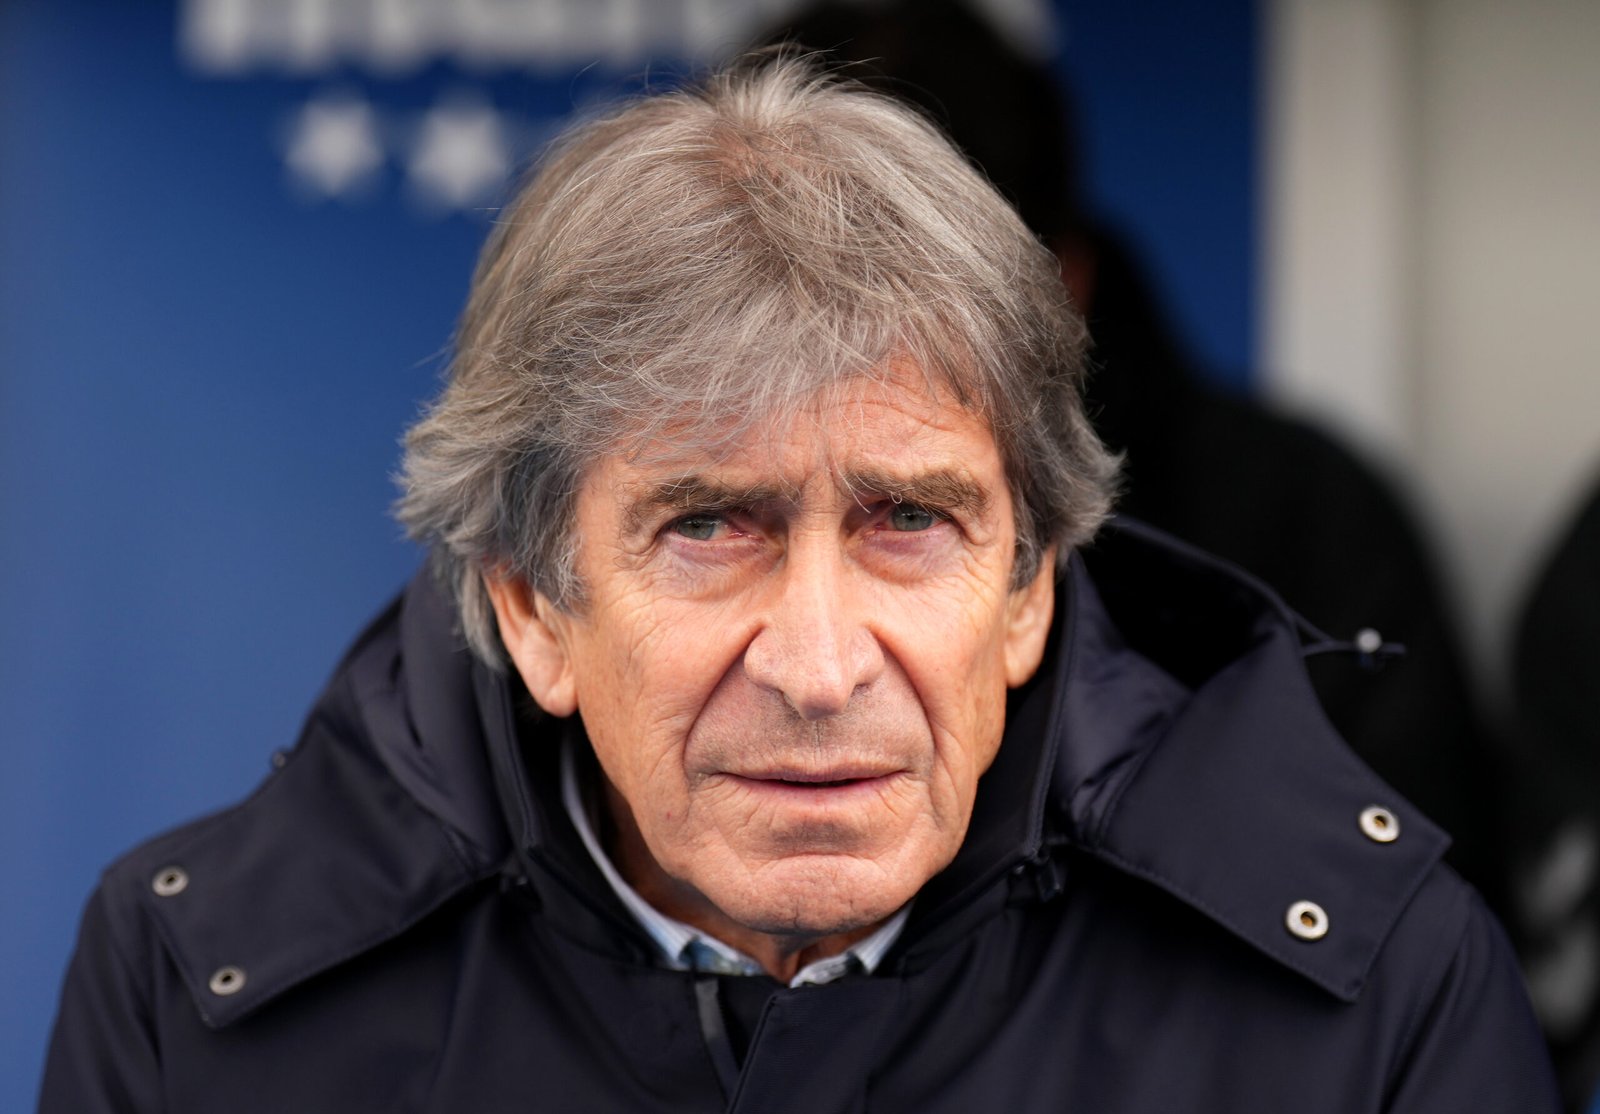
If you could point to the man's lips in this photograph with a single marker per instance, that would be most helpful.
(813, 780)
(827, 775)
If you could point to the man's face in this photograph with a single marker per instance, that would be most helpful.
(793, 658)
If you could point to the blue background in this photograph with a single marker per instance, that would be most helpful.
(203, 379)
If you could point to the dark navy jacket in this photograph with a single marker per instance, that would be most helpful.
(402, 919)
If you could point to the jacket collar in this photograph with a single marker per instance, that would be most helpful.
(1172, 734)
(1195, 755)
(366, 827)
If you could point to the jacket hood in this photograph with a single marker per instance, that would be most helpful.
(1171, 733)
(1214, 774)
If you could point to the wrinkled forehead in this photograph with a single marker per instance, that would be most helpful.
(892, 420)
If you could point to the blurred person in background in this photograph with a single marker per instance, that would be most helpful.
(1276, 496)
(1556, 693)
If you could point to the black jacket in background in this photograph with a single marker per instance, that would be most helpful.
(1557, 699)
(403, 920)
(1282, 500)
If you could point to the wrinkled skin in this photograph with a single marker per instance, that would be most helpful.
(792, 661)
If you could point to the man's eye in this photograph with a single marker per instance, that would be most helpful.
(697, 527)
(909, 518)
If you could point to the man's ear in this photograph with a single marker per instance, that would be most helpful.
(537, 639)
(1028, 615)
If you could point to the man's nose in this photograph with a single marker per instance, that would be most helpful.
(814, 647)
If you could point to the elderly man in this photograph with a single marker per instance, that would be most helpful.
(764, 740)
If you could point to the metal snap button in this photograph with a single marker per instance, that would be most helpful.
(170, 881)
(1379, 824)
(1307, 920)
(226, 981)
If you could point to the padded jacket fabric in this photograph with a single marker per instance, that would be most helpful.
(402, 918)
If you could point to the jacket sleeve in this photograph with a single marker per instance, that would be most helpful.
(103, 1056)
(1477, 1046)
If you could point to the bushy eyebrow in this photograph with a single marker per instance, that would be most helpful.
(942, 489)
(697, 494)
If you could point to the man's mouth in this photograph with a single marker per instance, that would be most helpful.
(815, 780)
(806, 783)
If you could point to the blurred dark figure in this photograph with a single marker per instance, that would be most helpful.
(1272, 495)
(1556, 685)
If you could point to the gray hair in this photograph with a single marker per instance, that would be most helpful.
(716, 255)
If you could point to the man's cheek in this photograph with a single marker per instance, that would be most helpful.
(621, 648)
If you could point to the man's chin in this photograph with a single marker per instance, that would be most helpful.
(815, 896)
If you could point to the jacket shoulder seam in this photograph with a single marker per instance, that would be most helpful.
(1422, 1006)
(117, 933)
